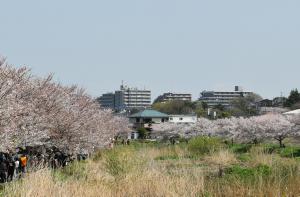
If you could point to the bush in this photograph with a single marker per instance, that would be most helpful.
(271, 148)
(77, 170)
(248, 174)
(143, 133)
(240, 148)
(114, 165)
(120, 161)
(204, 145)
(290, 152)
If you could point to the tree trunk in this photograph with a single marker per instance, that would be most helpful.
(280, 140)
(280, 143)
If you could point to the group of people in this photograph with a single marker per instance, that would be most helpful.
(115, 141)
(12, 166)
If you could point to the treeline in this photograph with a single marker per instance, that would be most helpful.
(251, 130)
(37, 111)
(293, 100)
(240, 107)
(244, 106)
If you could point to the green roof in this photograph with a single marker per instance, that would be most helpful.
(149, 113)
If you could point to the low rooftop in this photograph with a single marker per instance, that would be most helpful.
(149, 113)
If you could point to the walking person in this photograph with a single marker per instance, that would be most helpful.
(11, 168)
(3, 169)
(23, 162)
(17, 167)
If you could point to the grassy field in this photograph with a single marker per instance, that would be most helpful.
(203, 167)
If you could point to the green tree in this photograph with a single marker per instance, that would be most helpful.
(220, 107)
(143, 133)
(293, 98)
(175, 107)
(204, 105)
(245, 106)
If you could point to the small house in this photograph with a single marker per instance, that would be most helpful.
(183, 118)
(148, 116)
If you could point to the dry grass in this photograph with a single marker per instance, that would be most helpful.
(223, 157)
(138, 172)
(259, 155)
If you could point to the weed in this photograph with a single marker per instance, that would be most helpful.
(204, 145)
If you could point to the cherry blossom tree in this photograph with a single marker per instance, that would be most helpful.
(253, 129)
(37, 111)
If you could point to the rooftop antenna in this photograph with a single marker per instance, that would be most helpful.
(122, 85)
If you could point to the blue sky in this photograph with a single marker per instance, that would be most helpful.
(163, 45)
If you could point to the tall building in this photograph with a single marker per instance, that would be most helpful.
(107, 100)
(173, 96)
(225, 98)
(126, 98)
(132, 98)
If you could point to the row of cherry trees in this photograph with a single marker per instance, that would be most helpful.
(38, 111)
(254, 129)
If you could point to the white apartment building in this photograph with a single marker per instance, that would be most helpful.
(126, 98)
(171, 96)
(225, 98)
(183, 118)
(132, 98)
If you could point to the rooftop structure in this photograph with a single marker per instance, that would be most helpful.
(148, 116)
(149, 113)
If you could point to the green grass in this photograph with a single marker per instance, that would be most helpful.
(204, 145)
(290, 152)
(254, 170)
(167, 157)
(240, 148)
(248, 174)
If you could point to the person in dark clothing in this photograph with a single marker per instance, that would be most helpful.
(3, 169)
(11, 167)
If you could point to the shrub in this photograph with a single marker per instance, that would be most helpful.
(248, 174)
(143, 133)
(77, 170)
(120, 160)
(271, 148)
(240, 148)
(204, 145)
(113, 164)
(290, 152)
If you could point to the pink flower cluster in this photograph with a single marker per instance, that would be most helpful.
(269, 126)
(38, 111)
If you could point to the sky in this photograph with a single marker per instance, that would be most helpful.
(163, 45)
